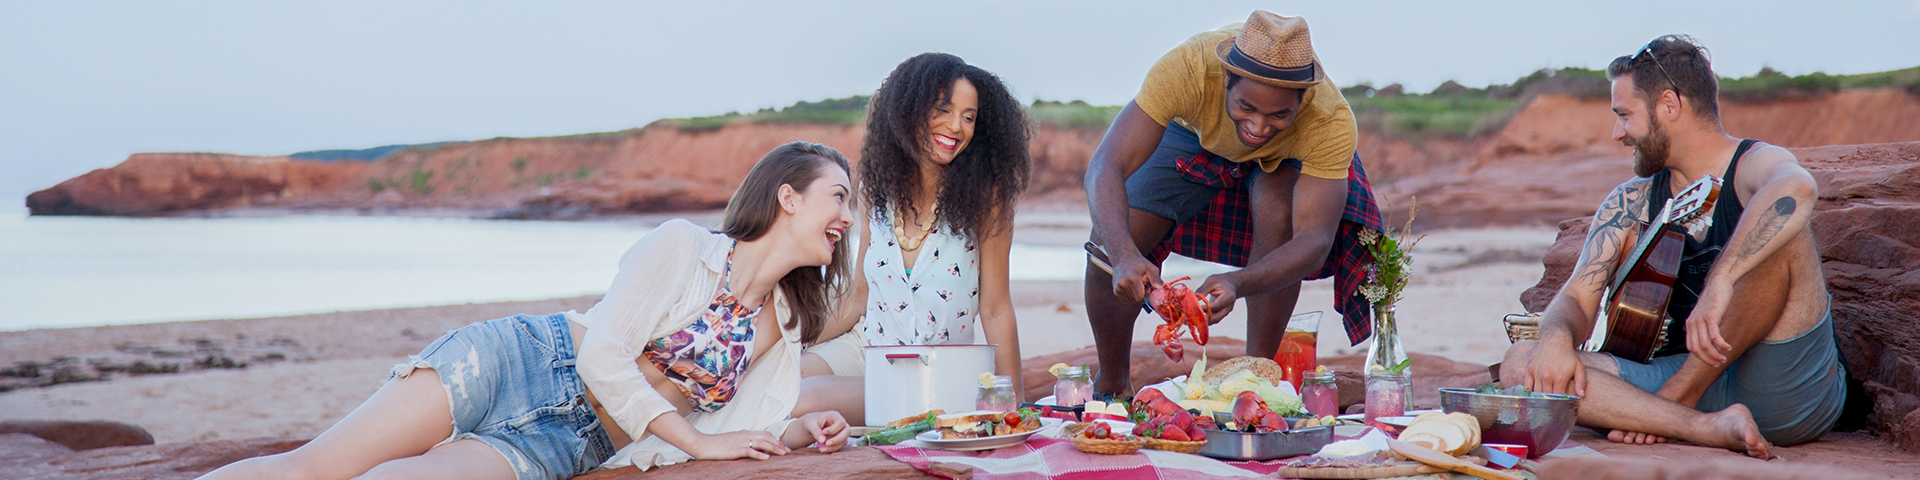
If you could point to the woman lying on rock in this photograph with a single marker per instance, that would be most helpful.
(694, 353)
(944, 160)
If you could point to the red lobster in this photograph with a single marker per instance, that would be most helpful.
(1181, 308)
(1251, 414)
(1154, 403)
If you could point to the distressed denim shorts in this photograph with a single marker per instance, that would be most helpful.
(512, 385)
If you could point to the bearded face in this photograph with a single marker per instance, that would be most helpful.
(1650, 151)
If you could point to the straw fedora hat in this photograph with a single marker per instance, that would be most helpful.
(1273, 50)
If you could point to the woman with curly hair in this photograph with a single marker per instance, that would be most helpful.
(944, 161)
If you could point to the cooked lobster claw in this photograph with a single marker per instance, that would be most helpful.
(1154, 403)
(1182, 310)
(1251, 411)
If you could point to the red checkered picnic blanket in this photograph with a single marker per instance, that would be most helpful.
(1223, 233)
(1051, 458)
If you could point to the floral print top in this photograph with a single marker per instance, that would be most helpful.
(934, 304)
(708, 358)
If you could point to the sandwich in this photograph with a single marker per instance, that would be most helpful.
(917, 418)
(986, 423)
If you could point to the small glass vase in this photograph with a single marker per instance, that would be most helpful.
(1387, 351)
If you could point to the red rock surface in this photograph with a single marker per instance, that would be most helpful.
(1838, 455)
(106, 450)
(156, 183)
(1556, 158)
(1604, 468)
(1867, 223)
(81, 435)
(853, 463)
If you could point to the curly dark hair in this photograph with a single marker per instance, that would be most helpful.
(988, 176)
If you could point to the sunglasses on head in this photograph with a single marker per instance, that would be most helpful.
(1648, 52)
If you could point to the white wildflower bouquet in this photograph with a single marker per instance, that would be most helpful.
(1392, 261)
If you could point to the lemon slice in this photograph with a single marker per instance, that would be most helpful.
(986, 379)
(1056, 369)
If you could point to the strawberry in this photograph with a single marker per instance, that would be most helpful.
(1195, 433)
(1181, 420)
(1175, 434)
(1099, 431)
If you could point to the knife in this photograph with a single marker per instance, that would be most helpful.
(1496, 457)
(1098, 256)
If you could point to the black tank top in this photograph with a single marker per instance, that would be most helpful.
(1698, 256)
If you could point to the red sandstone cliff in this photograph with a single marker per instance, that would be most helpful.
(1555, 159)
(155, 183)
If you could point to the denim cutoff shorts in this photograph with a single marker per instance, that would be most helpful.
(512, 385)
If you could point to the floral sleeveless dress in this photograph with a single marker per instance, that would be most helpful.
(936, 303)
(708, 358)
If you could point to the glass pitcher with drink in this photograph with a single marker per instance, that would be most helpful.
(1298, 353)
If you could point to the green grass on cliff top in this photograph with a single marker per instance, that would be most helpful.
(1449, 111)
(853, 111)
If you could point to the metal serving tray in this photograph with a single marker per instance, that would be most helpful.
(1265, 446)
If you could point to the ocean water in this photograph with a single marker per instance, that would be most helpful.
(58, 272)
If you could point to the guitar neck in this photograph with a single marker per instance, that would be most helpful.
(1640, 246)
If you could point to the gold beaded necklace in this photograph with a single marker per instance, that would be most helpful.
(899, 233)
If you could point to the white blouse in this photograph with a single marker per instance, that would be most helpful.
(666, 281)
(937, 303)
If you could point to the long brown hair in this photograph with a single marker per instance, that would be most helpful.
(756, 205)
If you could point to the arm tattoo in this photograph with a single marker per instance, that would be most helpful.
(1770, 222)
(1607, 234)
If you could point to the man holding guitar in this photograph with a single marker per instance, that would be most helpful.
(1752, 362)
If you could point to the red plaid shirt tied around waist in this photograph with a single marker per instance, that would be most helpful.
(1223, 233)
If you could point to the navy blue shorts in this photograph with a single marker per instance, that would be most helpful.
(1160, 188)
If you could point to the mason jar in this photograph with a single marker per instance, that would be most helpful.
(998, 395)
(1074, 387)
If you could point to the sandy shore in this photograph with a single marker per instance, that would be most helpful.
(329, 363)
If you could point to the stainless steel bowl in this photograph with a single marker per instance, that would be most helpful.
(1539, 423)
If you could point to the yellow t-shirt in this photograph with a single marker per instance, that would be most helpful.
(1189, 85)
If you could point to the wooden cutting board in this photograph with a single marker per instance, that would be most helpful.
(1438, 459)
(1385, 471)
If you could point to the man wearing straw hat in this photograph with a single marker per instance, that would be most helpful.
(1238, 150)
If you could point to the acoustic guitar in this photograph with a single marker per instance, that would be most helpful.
(1633, 311)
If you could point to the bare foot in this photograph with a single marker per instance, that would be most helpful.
(1733, 429)
(1636, 438)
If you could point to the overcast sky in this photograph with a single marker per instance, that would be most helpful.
(83, 84)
